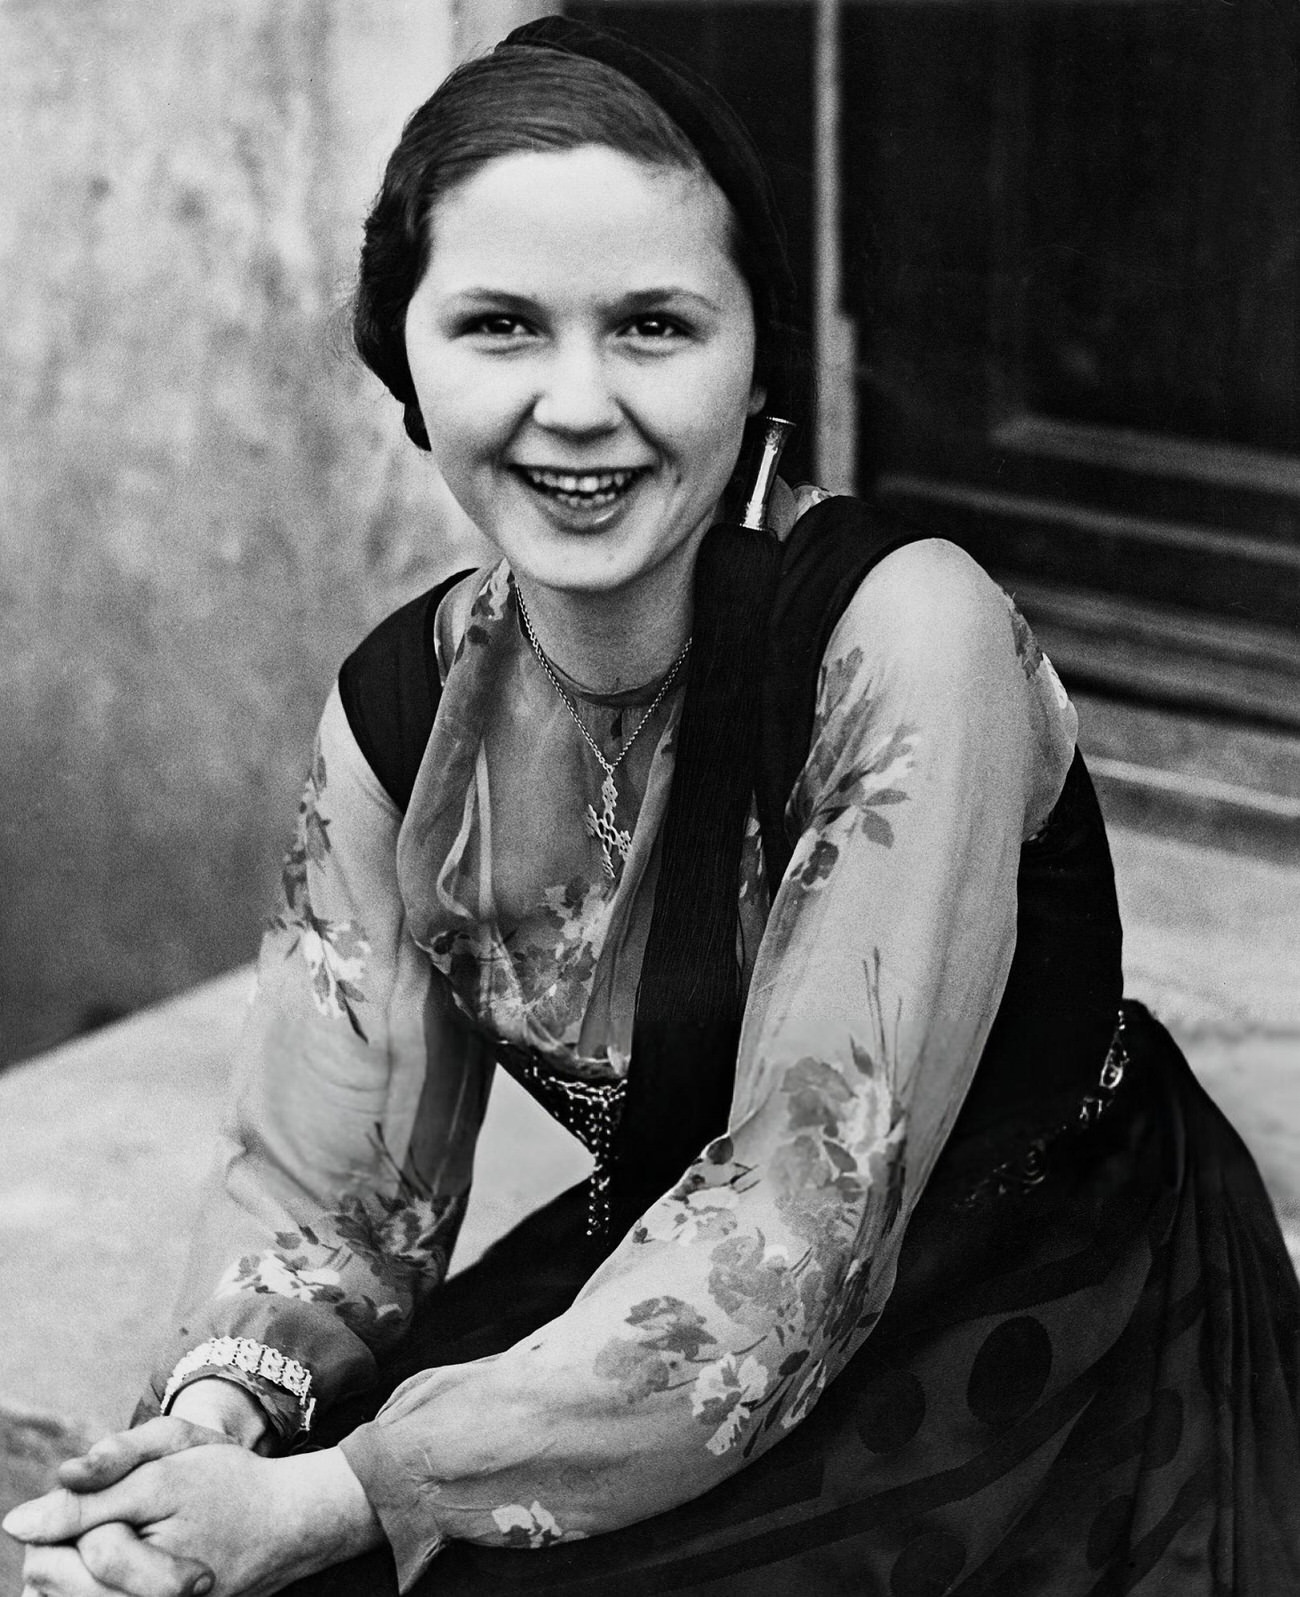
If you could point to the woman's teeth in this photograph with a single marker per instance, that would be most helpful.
(581, 490)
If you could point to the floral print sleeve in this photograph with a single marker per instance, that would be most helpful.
(346, 1156)
(718, 1322)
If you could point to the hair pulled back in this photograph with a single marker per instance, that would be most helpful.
(514, 101)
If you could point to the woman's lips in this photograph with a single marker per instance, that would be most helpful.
(591, 490)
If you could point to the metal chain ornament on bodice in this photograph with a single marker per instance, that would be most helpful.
(602, 828)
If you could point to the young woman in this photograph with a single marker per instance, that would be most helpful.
(911, 1262)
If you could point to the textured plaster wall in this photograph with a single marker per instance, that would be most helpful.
(205, 500)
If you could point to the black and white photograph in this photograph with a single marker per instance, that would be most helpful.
(650, 798)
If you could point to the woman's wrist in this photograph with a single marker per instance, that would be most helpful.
(224, 1406)
(327, 1508)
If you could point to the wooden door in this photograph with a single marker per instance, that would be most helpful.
(1071, 247)
(1074, 244)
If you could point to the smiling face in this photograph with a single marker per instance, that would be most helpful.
(582, 346)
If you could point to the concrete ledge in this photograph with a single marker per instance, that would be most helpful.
(32, 1446)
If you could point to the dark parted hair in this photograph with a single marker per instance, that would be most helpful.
(522, 99)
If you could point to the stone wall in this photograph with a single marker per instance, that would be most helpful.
(206, 499)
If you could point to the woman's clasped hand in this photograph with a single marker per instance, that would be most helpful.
(175, 1509)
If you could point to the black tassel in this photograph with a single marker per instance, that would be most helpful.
(688, 1005)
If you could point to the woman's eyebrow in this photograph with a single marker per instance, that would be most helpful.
(492, 296)
(641, 299)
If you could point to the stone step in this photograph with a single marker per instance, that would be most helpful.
(1221, 783)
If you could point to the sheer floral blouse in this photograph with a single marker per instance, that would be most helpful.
(405, 949)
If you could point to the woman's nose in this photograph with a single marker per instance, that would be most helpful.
(576, 395)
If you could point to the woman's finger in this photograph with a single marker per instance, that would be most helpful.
(56, 1517)
(806, 495)
(59, 1572)
(63, 1516)
(119, 1559)
(781, 511)
(115, 1456)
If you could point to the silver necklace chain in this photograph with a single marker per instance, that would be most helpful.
(603, 827)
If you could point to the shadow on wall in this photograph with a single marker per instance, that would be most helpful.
(207, 501)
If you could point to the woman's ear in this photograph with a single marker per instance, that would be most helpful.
(757, 398)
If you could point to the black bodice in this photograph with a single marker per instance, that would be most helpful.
(764, 614)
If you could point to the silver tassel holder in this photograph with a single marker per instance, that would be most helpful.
(776, 432)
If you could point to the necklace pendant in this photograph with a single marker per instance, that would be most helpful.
(603, 829)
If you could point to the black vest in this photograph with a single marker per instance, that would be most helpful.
(763, 615)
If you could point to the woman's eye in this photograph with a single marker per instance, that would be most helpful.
(500, 324)
(656, 328)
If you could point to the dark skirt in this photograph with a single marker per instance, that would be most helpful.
(1086, 1381)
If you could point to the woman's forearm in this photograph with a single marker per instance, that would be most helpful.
(327, 1515)
(223, 1406)
(703, 1341)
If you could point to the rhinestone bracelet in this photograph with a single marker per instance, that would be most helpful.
(253, 1358)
